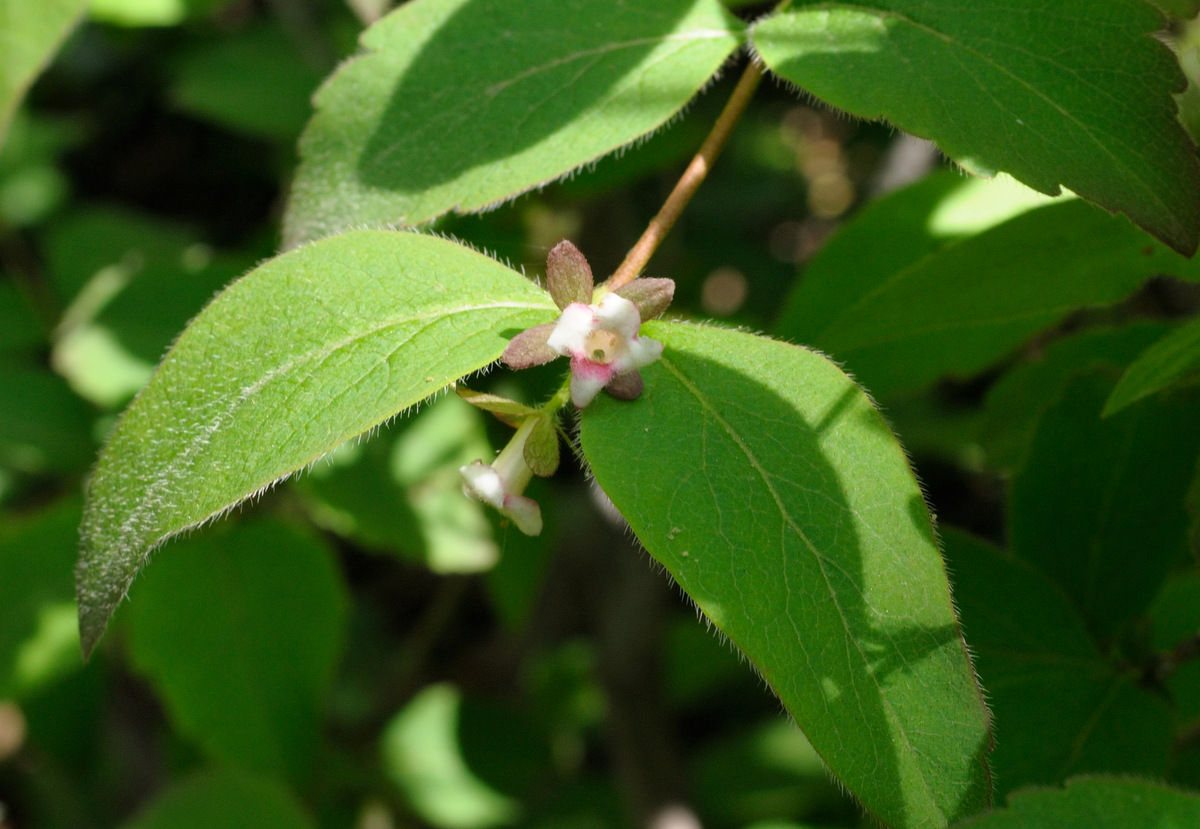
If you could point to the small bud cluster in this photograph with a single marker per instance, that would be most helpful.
(601, 338)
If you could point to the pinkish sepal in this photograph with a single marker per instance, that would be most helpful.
(568, 275)
(529, 348)
(651, 296)
(627, 386)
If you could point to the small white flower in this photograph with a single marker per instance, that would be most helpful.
(601, 338)
(603, 343)
(500, 485)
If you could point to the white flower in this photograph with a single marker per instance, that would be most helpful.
(601, 338)
(603, 343)
(500, 485)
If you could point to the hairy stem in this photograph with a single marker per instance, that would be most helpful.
(692, 177)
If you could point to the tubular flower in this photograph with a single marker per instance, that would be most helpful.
(600, 337)
(500, 484)
(603, 344)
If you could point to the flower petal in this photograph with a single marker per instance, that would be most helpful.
(568, 275)
(524, 512)
(617, 314)
(572, 330)
(627, 386)
(530, 348)
(642, 351)
(651, 296)
(587, 378)
(483, 483)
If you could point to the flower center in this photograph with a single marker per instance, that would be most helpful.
(601, 346)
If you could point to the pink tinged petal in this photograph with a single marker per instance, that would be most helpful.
(568, 275)
(651, 296)
(530, 348)
(483, 483)
(570, 334)
(524, 512)
(617, 314)
(587, 378)
(641, 352)
(627, 386)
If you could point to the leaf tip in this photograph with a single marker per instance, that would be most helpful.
(93, 620)
(1114, 404)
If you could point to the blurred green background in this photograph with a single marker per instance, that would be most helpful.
(364, 647)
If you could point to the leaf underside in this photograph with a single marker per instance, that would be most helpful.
(30, 34)
(460, 104)
(1077, 95)
(305, 352)
(223, 798)
(764, 480)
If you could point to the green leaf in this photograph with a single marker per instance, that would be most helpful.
(139, 13)
(1015, 403)
(36, 555)
(402, 492)
(1183, 9)
(254, 82)
(541, 448)
(133, 282)
(239, 631)
(762, 773)
(224, 800)
(1059, 708)
(698, 667)
(30, 34)
(1099, 506)
(507, 411)
(460, 104)
(961, 309)
(33, 182)
(140, 279)
(1173, 359)
(421, 755)
(764, 480)
(19, 330)
(43, 426)
(1192, 503)
(1175, 615)
(892, 234)
(1096, 803)
(306, 351)
(85, 242)
(994, 86)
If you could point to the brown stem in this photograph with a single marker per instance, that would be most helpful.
(692, 177)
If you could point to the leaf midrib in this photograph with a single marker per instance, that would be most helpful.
(1151, 191)
(177, 468)
(789, 522)
(465, 107)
